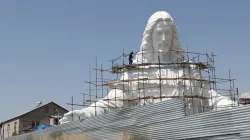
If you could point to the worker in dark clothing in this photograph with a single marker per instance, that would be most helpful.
(130, 57)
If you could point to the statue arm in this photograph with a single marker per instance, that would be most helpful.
(98, 108)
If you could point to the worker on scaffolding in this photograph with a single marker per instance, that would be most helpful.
(130, 57)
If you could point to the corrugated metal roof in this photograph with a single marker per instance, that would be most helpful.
(161, 121)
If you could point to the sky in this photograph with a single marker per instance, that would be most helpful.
(46, 47)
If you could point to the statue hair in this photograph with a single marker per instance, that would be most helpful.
(147, 49)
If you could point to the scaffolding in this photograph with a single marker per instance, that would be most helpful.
(203, 62)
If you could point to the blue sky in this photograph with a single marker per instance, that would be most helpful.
(46, 46)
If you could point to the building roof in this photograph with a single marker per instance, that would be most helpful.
(36, 108)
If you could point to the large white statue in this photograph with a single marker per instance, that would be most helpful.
(160, 45)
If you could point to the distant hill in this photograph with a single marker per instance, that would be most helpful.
(245, 95)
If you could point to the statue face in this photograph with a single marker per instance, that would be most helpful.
(162, 37)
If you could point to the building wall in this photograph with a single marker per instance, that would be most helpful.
(41, 116)
(1, 130)
(9, 128)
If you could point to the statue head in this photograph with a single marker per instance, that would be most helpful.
(160, 38)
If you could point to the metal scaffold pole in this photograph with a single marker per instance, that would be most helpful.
(90, 83)
(159, 61)
(96, 86)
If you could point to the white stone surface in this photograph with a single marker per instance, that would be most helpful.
(160, 40)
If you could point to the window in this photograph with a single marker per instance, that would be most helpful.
(56, 121)
(15, 132)
(15, 126)
(8, 128)
(3, 131)
(37, 123)
(34, 124)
